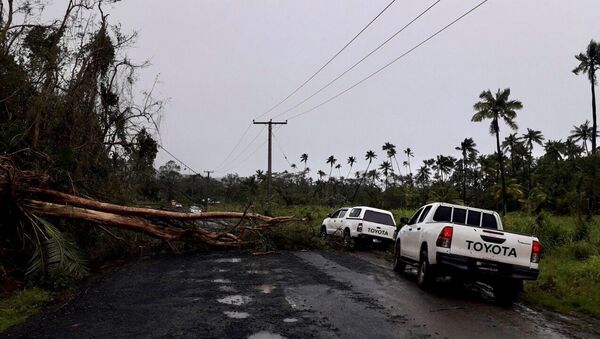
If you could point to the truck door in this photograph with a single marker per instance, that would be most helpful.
(330, 223)
(342, 220)
(409, 236)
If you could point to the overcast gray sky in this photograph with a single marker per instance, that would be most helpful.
(223, 63)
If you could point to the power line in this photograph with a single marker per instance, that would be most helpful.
(389, 63)
(242, 151)
(328, 61)
(235, 147)
(281, 149)
(361, 60)
(174, 157)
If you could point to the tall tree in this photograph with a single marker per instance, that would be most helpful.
(369, 156)
(390, 151)
(589, 63)
(409, 154)
(495, 108)
(331, 161)
(530, 138)
(304, 159)
(338, 167)
(351, 161)
(509, 144)
(467, 147)
(385, 168)
(582, 133)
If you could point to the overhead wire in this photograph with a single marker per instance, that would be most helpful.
(389, 63)
(328, 61)
(361, 60)
(174, 157)
(251, 153)
(281, 149)
(237, 144)
(242, 152)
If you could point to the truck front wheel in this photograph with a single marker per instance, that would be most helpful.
(426, 275)
(349, 243)
(323, 233)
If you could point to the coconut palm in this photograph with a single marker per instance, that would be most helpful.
(369, 156)
(351, 161)
(331, 161)
(508, 145)
(390, 151)
(338, 167)
(321, 174)
(304, 159)
(530, 138)
(582, 133)
(385, 168)
(554, 149)
(422, 176)
(571, 149)
(467, 147)
(409, 154)
(589, 63)
(443, 165)
(495, 108)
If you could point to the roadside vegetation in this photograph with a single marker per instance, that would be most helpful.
(69, 107)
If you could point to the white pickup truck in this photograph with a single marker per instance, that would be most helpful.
(445, 239)
(360, 225)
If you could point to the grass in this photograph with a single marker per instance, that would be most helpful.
(18, 307)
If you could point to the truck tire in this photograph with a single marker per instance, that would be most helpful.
(399, 265)
(426, 275)
(323, 233)
(349, 243)
(507, 291)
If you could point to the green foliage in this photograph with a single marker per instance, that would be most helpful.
(19, 306)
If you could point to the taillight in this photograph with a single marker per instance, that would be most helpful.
(536, 251)
(359, 227)
(445, 237)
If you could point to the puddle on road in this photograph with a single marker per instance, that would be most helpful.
(222, 281)
(227, 288)
(291, 302)
(236, 300)
(257, 272)
(290, 320)
(236, 315)
(228, 260)
(266, 289)
(265, 335)
(220, 270)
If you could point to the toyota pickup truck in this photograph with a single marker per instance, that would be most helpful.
(446, 239)
(360, 225)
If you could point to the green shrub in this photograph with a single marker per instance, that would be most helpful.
(15, 309)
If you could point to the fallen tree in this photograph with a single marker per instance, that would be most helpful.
(27, 192)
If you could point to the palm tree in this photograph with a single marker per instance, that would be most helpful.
(338, 167)
(369, 156)
(467, 147)
(390, 150)
(495, 108)
(554, 149)
(304, 159)
(351, 162)
(443, 165)
(293, 166)
(386, 167)
(409, 153)
(422, 175)
(509, 144)
(571, 149)
(321, 174)
(331, 161)
(589, 63)
(530, 138)
(584, 133)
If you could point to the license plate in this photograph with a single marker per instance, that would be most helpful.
(376, 240)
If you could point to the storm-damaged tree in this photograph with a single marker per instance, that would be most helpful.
(467, 148)
(497, 107)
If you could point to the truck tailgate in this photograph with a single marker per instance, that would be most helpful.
(493, 245)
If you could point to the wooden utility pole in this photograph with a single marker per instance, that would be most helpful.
(270, 123)
(206, 191)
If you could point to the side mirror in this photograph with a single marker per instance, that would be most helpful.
(404, 220)
(328, 215)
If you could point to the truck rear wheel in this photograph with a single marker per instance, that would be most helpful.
(399, 265)
(507, 291)
(426, 274)
(349, 243)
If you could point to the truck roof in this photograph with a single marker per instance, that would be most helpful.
(373, 209)
(462, 206)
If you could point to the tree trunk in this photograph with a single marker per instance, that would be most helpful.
(501, 164)
(594, 126)
(464, 183)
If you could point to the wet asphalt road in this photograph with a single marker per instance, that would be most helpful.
(291, 294)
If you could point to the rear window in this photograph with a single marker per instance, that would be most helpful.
(473, 218)
(442, 213)
(489, 221)
(355, 213)
(459, 216)
(378, 217)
